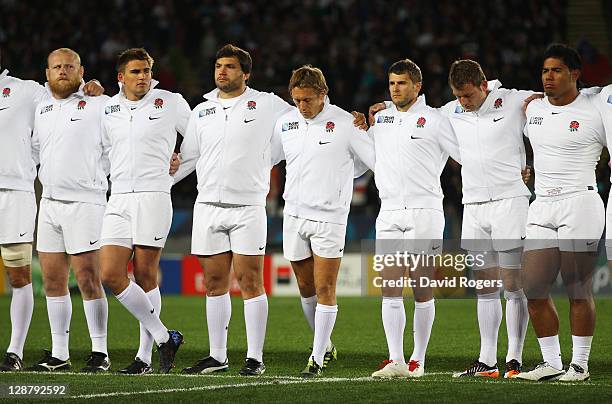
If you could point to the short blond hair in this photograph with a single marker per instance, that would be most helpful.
(65, 50)
(308, 76)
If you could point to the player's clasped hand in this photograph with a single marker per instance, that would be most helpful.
(93, 88)
(175, 163)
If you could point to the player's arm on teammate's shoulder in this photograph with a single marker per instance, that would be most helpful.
(379, 106)
(534, 96)
(448, 139)
(93, 88)
(362, 147)
(360, 120)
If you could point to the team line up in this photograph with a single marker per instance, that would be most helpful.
(79, 137)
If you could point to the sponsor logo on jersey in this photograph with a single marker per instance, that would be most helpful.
(290, 126)
(498, 103)
(251, 105)
(385, 119)
(81, 104)
(207, 111)
(459, 109)
(421, 122)
(46, 108)
(329, 127)
(112, 108)
(158, 103)
(610, 99)
(536, 120)
(6, 92)
(574, 125)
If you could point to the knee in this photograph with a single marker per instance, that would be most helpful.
(89, 283)
(216, 284)
(250, 284)
(305, 283)
(326, 291)
(110, 280)
(583, 303)
(146, 279)
(535, 306)
(19, 277)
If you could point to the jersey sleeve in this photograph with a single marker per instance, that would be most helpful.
(183, 112)
(190, 149)
(276, 144)
(448, 139)
(35, 142)
(36, 92)
(361, 146)
(279, 107)
(106, 141)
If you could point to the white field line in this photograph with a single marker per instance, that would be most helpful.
(221, 386)
(282, 380)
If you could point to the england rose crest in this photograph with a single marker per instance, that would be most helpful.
(251, 105)
(159, 103)
(574, 125)
(6, 92)
(329, 127)
(421, 122)
(81, 104)
(498, 103)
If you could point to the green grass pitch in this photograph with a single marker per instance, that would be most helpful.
(361, 346)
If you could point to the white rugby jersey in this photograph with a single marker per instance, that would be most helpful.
(68, 140)
(141, 138)
(412, 148)
(567, 142)
(231, 148)
(18, 100)
(605, 108)
(321, 155)
(491, 145)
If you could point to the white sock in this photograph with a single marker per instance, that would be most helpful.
(325, 318)
(424, 315)
(309, 305)
(146, 339)
(551, 351)
(22, 305)
(218, 314)
(96, 314)
(394, 322)
(59, 310)
(489, 320)
(581, 348)
(517, 320)
(134, 299)
(255, 319)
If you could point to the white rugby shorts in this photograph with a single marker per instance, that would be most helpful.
(71, 227)
(303, 237)
(138, 218)
(221, 228)
(495, 225)
(17, 216)
(417, 231)
(573, 222)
